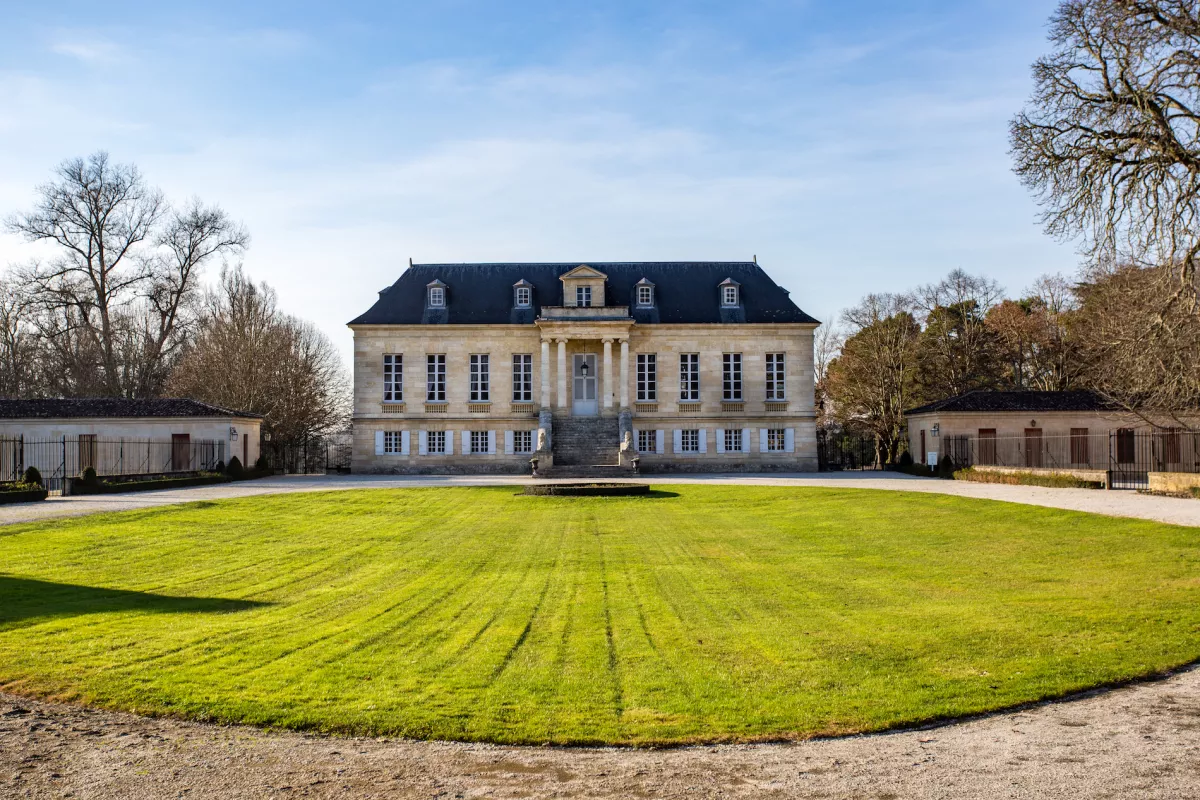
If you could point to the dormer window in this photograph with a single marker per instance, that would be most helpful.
(437, 297)
(583, 296)
(645, 295)
(729, 295)
(524, 297)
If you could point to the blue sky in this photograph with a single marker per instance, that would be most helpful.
(853, 146)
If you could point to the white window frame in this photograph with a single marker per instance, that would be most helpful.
(481, 378)
(731, 377)
(689, 377)
(647, 377)
(776, 376)
(522, 377)
(523, 442)
(645, 295)
(393, 378)
(437, 297)
(729, 295)
(524, 297)
(731, 440)
(583, 296)
(689, 440)
(776, 440)
(439, 438)
(647, 441)
(478, 443)
(393, 443)
(435, 378)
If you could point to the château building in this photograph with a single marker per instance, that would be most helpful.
(686, 366)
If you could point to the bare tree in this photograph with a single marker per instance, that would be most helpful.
(116, 297)
(19, 344)
(873, 380)
(1110, 140)
(827, 343)
(249, 356)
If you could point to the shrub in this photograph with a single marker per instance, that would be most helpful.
(234, 470)
(89, 476)
(32, 476)
(905, 460)
(945, 468)
(261, 463)
(1052, 480)
(220, 467)
(1196, 492)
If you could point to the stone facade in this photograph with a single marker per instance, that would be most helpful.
(394, 435)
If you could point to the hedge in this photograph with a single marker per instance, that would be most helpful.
(1053, 481)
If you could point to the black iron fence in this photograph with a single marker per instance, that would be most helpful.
(313, 455)
(1127, 455)
(69, 456)
(845, 451)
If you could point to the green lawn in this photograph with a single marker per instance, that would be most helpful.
(703, 613)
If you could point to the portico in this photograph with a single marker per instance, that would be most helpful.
(583, 370)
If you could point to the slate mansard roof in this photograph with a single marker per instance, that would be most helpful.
(94, 407)
(684, 292)
(984, 400)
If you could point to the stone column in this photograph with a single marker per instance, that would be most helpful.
(545, 373)
(624, 373)
(562, 374)
(608, 387)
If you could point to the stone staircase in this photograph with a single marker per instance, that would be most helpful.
(586, 447)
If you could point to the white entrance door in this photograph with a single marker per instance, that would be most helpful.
(585, 396)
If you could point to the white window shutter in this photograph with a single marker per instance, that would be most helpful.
(491, 443)
(762, 440)
(720, 440)
(637, 437)
(745, 440)
(378, 443)
(678, 437)
(659, 435)
(509, 447)
(789, 440)
(449, 443)
(533, 440)
(404, 441)
(423, 442)
(704, 440)
(466, 443)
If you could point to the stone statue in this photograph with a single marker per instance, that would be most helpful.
(543, 443)
(627, 442)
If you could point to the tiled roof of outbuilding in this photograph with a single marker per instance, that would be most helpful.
(685, 292)
(985, 400)
(64, 408)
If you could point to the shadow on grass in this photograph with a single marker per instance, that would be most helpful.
(26, 599)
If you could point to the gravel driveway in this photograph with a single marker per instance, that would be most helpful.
(1139, 741)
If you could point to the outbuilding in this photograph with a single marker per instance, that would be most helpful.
(119, 436)
(1079, 432)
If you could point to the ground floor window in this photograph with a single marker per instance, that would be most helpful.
(522, 441)
(733, 440)
(479, 442)
(1079, 446)
(647, 441)
(776, 440)
(435, 443)
(689, 440)
(393, 442)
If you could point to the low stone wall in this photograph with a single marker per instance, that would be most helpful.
(1175, 482)
(1098, 475)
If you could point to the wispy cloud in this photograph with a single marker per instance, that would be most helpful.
(89, 48)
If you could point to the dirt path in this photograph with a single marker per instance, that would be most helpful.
(1141, 741)
(1120, 504)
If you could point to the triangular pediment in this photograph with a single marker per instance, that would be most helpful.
(583, 271)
